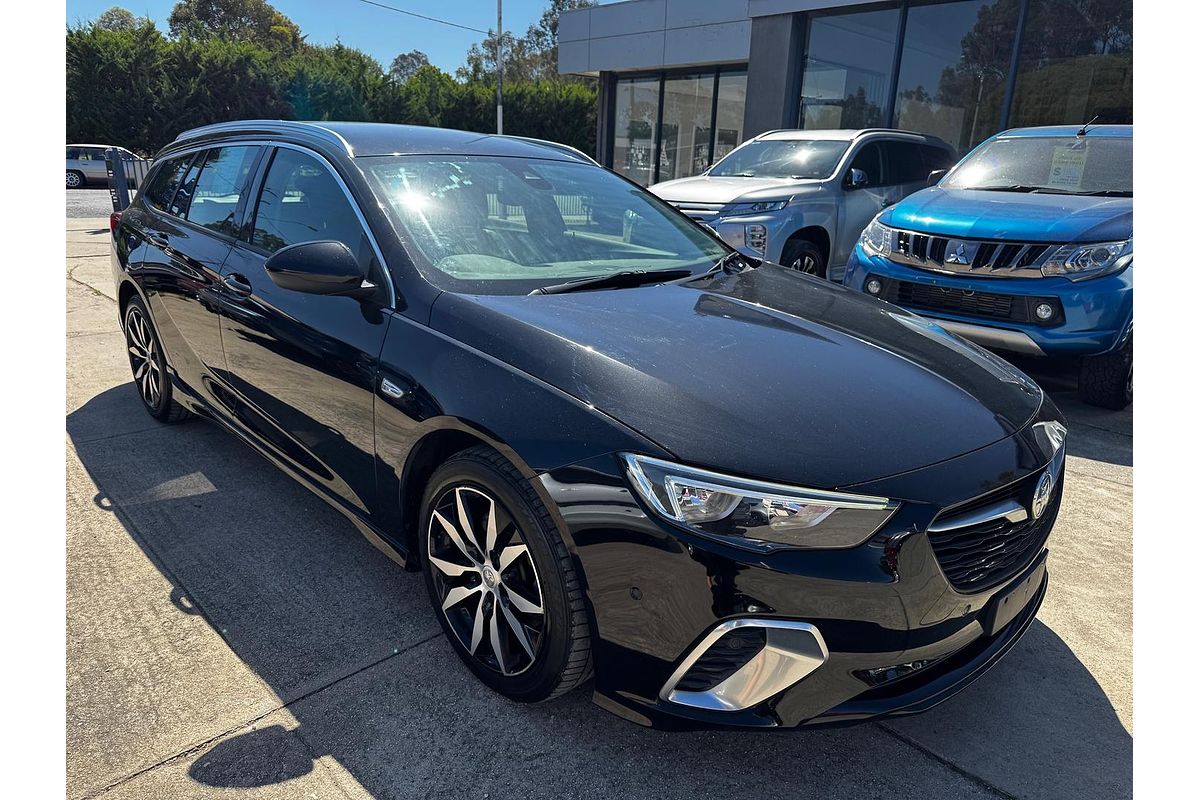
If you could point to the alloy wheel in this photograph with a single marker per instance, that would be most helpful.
(486, 580)
(806, 264)
(143, 357)
(72, 180)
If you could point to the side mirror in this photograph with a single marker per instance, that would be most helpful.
(935, 176)
(324, 267)
(856, 178)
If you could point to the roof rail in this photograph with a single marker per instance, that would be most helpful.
(566, 148)
(267, 126)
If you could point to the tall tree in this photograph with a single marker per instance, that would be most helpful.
(405, 65)
(254, 21)
(531, 57)
(119, 19)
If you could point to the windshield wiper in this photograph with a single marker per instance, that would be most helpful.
(1016, 187)
(1108, 193)
(617, 280)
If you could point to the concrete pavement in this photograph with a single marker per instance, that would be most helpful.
(230, 635)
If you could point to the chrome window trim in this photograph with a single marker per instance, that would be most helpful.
(210, 144)
(793, 651)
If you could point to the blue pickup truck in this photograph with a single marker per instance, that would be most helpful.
(1024, 246)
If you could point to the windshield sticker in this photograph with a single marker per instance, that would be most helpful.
(1066, 168)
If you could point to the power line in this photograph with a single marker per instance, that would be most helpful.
(422, 16)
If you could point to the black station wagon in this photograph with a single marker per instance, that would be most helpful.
(723, 492)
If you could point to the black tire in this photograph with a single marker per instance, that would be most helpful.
(149, 365)
(1107, 381)
(804, 256)
(561, 658)
(75, 179)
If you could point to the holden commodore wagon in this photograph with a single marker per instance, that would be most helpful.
(623, 454)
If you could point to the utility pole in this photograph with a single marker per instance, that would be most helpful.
(500, 66)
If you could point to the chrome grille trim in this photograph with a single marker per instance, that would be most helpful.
(987, 258)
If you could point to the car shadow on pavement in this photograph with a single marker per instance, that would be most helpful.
(348, 643)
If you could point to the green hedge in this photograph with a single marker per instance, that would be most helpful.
(140, 89)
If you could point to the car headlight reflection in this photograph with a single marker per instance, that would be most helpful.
(752, 512)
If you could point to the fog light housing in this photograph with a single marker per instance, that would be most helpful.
(756, 238)
(1044, 311)
(873, 286)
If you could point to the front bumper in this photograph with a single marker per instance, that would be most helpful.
(1095, 316)
(657, 594)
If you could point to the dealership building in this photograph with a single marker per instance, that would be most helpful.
(683, 82)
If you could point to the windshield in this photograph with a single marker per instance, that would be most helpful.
(782, 158)
(1057, 164)
(510, 225)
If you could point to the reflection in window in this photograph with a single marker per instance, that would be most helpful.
(686, 126)
(731, 110)
(1076, 63)
(954, 68)
(847, 71)
(636, 128)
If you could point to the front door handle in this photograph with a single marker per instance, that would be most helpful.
(238, 285)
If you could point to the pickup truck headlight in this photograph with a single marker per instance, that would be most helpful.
(1081, 262)
(877, 238)
(760, 207)
(742, 511)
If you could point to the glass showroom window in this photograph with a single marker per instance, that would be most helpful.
(635, 128)
(848, 68)
(1076, 62)
(731, 111)
(686, 126)
(954, 67)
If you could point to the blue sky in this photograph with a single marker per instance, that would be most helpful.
(374, 30)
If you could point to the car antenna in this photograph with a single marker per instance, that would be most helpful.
(1083, 131)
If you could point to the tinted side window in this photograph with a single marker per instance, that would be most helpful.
(72, 152)
(302, 202)
(937, 158)
(159, 191)
(868, 159)
(219, 188)
(905, 164)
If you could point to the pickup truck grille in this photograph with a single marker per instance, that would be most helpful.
(701, 212)
(974, 257)
(978, 547)
(964, 302)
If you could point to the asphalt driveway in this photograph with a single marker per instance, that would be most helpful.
(228, 634)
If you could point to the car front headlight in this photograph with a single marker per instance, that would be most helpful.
(1081, 262)
(742, 511)
(877, 238)
(759, 207)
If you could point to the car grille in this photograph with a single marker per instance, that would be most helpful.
(701, 212)
(992, 259)
(976, 557)
(952, 300)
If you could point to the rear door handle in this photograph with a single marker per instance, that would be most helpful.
(238, 285)
(158, 240)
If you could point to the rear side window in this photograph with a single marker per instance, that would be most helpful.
(72, 152)
(302, 202)
(161, 188)
(214, 201)
(868, 160)
(905, 163)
